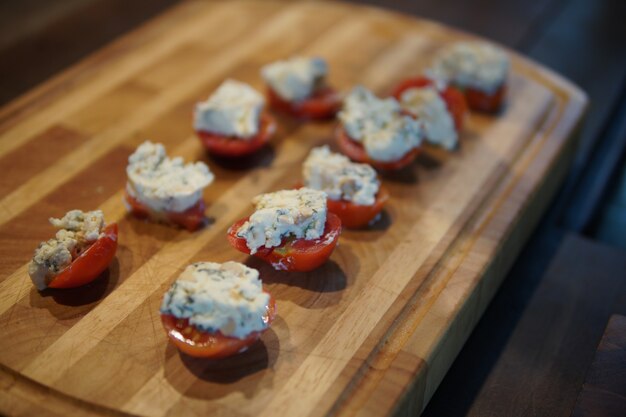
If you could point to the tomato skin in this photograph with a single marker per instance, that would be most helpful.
(483, 102)
(355, 216)
(89, 264)
(454, 98)
(202, 344)
(230, 147)
(294, 255)
(355, 151)
(323, 104)
(191, 219)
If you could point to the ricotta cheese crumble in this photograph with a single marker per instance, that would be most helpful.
(234, 110)
(340, 178)
(431, 110)
(77, 231)
(165, 184)
(379, 125)
(477, 65)
(226, 297)
(288, 213)
(295, 79)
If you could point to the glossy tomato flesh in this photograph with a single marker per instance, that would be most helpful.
(91, 263)
(294, 254)
(231, 147)
(323, 104)
(356, 216)
(355, 151)
(209, 345)
(190, 219)
(483, 102)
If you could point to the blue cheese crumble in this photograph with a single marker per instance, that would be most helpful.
(233, 110)
(295, 79)
(77, 231)
(226, 297)
(431, 110)
(379, 125)
(340, 178)
(287, 213)
(477, 65)
(165, 184)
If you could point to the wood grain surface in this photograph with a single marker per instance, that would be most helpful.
(370, 333)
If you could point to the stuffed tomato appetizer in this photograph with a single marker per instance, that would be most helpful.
(440, 109)
(81, 250)
(377, 131)
(353, 190)
(166, 190)
(479, 69)
(298, 87)
(216, 310)
(232, 122)
(290, 229)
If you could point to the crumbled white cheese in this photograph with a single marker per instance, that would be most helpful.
(477, 65)
(78, 230)
(340, 178)
(431, 110)
(295, 79)
(234, 110)
(165, 184)
(226, 297)
(298, 213)
(385, 133)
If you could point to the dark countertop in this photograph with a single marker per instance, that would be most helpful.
(534, 345)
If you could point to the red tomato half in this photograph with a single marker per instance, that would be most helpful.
(202, 344)
(355, 216)
(323, 104)
(487, 103)
(190, 219)
(294, 254)
(355, 151)
(89, 264)
(233, 147)
(455, 101)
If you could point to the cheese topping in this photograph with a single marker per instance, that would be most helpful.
(477, 65)
(295, 79)
(234, 110)
(379, 125)
(165, 184)
(298, 213)
(431, 110)
(78, 231)
(339, 178)
(226, 297)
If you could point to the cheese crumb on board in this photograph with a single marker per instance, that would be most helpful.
(340, 178)
(165, 184)
(226, 297)
(288, 213)
(379, 125)
(233, 110)
(295, 79)
(431, 110)
(78, 231)
(477, 65)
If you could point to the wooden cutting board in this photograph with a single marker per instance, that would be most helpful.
(370, 333)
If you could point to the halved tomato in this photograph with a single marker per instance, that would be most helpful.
(232, 147)
(356, 216)
(215, 345)
(487, 103)
(454, 98)
(323, 104)
(294, 254)
(355, 151)
(91, 263)
(190, 219)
